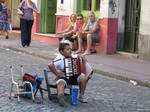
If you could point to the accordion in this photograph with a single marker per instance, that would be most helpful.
(72, 66)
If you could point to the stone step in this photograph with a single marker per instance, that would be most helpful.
(14, 34)
(51, 39)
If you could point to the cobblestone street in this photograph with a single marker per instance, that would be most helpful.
(104, 94)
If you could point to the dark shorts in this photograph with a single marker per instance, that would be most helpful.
(95, 37)
(73, 80)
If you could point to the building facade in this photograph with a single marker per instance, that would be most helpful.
(123, 23)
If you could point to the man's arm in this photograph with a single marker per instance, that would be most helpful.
(55, 71)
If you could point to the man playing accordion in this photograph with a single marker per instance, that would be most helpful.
(68, 74)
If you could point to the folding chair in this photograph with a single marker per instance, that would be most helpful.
(19, 89)
(51, 86)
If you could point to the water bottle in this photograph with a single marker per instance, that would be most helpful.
(74, 97)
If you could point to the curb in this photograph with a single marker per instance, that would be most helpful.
(122, 78)
(100, 72)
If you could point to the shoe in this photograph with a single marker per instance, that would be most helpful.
(93, 51)
(82, 99)
(7, 37)
(23, 45)
(61, 100)
(28, 45)
(86, 53)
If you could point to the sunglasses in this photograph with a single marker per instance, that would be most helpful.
(79, 18)
(91, 16)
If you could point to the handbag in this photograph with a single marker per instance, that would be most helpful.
(20, 12)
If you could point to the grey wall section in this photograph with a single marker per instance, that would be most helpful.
(144, 37)
(121, 24)
(145, 15)
(144, 47)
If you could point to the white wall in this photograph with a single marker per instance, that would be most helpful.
(109, 9)
(145, 17)
(67, 8)
(121, 15)
(104, 8)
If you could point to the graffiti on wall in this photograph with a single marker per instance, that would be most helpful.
(112, 6)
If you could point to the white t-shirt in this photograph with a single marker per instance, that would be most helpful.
(59, 61)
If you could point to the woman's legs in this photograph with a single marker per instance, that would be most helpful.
(80, 42)
(24, 32)
(7, 37)
(5, 33)
(29, 30)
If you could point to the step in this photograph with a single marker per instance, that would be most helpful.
(14, 34)
(127, 54)
(52, 39)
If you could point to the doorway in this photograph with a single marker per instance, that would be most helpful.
(132, 19)
(15, 20)
(48, 18)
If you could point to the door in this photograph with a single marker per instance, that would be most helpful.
(48, 18)
(132, 25)
(15, 20)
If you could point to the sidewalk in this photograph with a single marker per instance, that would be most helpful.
(116, 66)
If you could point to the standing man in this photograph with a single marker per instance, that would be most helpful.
(27, 7)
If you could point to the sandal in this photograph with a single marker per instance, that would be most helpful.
(78, 51)
(93, 51)
(86, 53)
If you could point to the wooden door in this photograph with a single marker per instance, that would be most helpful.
(15, 20)
(132, 25)
(48, 18)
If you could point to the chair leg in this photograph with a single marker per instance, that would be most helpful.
(18, 93)
(41, 92)
(11, 89)
(49, 93)
(33, 98)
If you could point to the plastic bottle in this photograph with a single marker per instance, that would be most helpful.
(74, 97)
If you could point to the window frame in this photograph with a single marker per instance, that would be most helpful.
(84, 12)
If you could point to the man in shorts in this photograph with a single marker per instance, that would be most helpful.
(57, 67)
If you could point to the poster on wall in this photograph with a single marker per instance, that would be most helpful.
(109, 8)
(113, 8)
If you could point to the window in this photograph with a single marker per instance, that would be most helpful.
(62, 1)
(87, 5)
(97, 5)
(91, 5)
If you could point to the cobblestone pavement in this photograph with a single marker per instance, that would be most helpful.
(104, 94)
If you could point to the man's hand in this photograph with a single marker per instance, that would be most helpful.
(60, 74)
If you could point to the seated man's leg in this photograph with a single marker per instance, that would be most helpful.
(95, 39)
(89, 43)
(60, 89)
(82, 80)
(80, 42)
